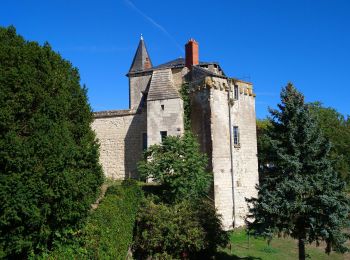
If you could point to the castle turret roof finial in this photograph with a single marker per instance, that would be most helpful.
(141, 38)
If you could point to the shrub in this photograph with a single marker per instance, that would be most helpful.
(48, 155)
(109, 230)
(179, 166)
(182, 230)
(167, 230)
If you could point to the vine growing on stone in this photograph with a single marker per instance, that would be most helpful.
(187, 105)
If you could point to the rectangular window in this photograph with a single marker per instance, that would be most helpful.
(236, 135)
(236, 92)
(144, 141)
(163, 135)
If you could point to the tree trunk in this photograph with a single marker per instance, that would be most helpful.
(301, 246)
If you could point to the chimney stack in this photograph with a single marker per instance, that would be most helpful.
(191, 49)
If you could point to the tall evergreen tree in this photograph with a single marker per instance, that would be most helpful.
(49, 170)
(301, 195)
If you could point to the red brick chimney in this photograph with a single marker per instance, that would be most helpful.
(191, 49)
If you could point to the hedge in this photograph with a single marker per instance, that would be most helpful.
(108, 232)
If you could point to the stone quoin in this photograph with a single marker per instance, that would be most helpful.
(223, 117)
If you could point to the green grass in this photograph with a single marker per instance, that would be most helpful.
(280, 248)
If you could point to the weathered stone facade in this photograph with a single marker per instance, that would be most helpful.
(223, 118)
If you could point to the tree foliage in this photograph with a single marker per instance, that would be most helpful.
(167, 231)
(109, 229)
(179, 166)
(300, 195)
(336, 128)
(185, 230)
(180, 221)
(263, 126)
(48, 155)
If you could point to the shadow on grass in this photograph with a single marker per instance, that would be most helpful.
(225, 256)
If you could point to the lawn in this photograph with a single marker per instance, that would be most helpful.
(280, 248)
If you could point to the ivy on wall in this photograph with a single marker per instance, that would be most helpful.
(187, 105)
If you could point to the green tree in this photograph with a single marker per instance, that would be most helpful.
(48, 155)
(178, 220)
(263, 126)
(179, 166)
(301, 195)
(336, 129)
(185, 230)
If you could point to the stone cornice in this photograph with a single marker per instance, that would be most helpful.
(115, 113)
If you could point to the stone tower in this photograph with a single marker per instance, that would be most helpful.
(223, 118)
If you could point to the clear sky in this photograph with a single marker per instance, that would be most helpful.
(267, 42)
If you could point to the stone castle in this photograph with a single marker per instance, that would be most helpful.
(222, 116)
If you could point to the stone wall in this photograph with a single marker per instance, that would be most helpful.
(210, 121)
(245, 155)
(138, 84)
(200, 121)
(178, 77)
(221, 156)
(164, 115)
(120, 136)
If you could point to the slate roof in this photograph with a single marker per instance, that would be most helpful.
(207, 72)
(141, 58)
(162, 86)
(177, 63)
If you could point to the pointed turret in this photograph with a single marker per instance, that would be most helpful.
(141, 59)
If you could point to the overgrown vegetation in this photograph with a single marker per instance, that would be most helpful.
(108, 232)
(336, 128)
(179, 221)
(300, 194)
(185, 95)
(49, 166)
(179, 166)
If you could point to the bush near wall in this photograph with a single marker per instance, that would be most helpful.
(109, 229)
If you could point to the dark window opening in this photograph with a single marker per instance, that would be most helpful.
(163, 135)
(235, 135)
(236, 93)
(144, 141)
(162, 106)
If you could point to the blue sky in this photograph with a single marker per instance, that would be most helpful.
(267, 42)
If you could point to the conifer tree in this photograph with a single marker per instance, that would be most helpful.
(301, 195)
(49, 170)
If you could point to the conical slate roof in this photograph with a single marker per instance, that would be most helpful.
(141, 59)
